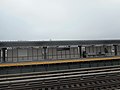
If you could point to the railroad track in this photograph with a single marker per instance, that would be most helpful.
(92, 79)
(74, 83)
(63, 71)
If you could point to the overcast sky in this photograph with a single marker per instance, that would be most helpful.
(59, 19)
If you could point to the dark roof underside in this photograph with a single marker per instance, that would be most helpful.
(56, 43)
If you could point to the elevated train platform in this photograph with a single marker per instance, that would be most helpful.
(38, 56)
(43, 66)
(32, 63)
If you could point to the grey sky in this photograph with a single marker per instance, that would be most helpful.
(59, 19)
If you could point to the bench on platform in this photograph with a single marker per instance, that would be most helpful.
(95, 54)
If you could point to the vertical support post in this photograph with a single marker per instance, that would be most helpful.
(96, 51)
(32, 54)
(70, 52)
(3, 54)
(17, 54)
(0, 56)
(101, 48)
(37, 53)
(12, 54)
(74, 52)
(77, 53)
(7, 55)
(93, 51)
(52, 53)
(80, 51)
(56, 52)
(61, 54)
(115, 47)
(48, 53)
(45, 52)
(28, 53)
(65, 54)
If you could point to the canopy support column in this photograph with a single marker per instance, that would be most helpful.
(3, 54)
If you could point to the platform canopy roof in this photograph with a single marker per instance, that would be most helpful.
(57, 43)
